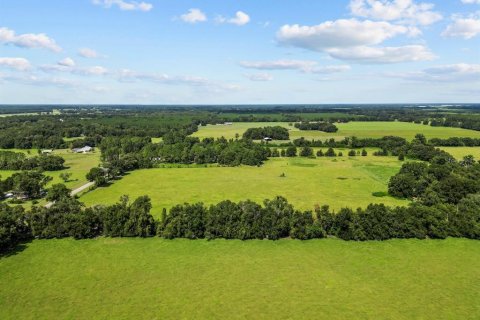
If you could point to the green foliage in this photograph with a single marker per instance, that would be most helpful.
(330, 153)
(58, 192)
(29, 183)
(19, 161)
(275, 133)
(97, 175)
(306, 152)
(291, 151)
(13, 227)
(320, 126)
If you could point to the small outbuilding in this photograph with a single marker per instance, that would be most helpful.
(267, 139)
(83, 149)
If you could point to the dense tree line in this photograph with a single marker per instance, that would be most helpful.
(455, 142)
(275, 133)
(19, 161)
(319, 126)
(273, 220)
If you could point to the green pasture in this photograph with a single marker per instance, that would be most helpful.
(358, 129)
(338, 182)
(124, 278)
(460, 152)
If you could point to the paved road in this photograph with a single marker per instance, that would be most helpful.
(74, 192)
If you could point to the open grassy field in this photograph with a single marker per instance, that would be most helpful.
(339, 182)
(181, 279)
(460, 152)
(358, 129)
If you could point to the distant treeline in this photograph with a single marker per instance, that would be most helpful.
(10, 160)
(319, 126)
(48, 131)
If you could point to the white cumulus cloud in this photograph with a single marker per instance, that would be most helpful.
(240, 19)
(194, 16)
(462, 27)
(21, 64)
(471, 1)
(355, 40)
(125, 5)
(67, 62)
(341, 33)
(406, 11)
(28, 40)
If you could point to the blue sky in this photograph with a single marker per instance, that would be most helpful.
(239, 52)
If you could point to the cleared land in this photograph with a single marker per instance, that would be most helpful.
(339, 182)
(358, 129)
(460, 152)
(181, 279)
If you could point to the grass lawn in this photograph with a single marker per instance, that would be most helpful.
(460, 152)
(339, 182)
(358, 129)
(181, 279)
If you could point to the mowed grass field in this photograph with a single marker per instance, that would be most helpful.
(229, 279)
(358, 129)
(338, 182)
(460, 152)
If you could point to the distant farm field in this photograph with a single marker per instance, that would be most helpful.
(339, 182)
(153, 278)
(460, 152)
(358, 129)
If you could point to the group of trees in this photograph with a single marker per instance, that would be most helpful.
(10, 160)
(320, 126)
(273, 220)
(68, 218)
(441, 180)
(121, 154)
(275, 133)
(30, 184)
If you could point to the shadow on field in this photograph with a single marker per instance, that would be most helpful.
(14, 251)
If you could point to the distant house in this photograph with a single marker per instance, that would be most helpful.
(266, 139)
(46, 151)
(82, 150)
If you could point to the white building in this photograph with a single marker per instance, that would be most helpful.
(83, 150)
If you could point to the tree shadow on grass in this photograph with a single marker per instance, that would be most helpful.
(15, 250)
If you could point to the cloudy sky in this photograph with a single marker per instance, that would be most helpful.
(239, 51)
